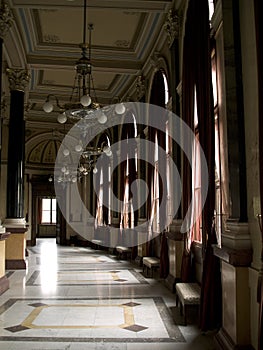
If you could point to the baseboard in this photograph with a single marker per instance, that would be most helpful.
(20, 264)
(224, 342)
(4, 284)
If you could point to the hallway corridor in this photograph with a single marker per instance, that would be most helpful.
(81, 298)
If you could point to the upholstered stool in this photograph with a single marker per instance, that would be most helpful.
(151, 263)
(188, 295)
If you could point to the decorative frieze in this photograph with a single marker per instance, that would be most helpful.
(172, 25)
(18, 78)
(6, 19)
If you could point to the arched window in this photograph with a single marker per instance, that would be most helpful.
(160, 97)
(103, 185)
(129, 215)
(196, 219)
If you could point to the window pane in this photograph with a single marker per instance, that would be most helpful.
(45, 204)
(54, 216)
(46, 216)
(54, 203)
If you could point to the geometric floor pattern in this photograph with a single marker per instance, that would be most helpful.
(78, 298)
(137, 320)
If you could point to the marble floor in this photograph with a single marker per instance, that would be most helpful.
(79, 298)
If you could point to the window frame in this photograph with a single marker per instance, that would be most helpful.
(52, 211)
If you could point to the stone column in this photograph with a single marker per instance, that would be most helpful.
(174, 236)
(235, 253)
(6, 19)
(15, 221)
(87, 200)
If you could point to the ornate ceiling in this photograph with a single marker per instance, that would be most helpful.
(45, 38)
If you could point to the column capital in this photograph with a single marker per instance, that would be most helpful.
(6, 19)
(18, 78)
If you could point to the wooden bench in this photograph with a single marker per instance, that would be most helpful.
(97, 243)
(188, 294)
(150, 263)
(123, 252)
(101, 237)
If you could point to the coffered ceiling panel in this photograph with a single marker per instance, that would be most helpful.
(49, 33)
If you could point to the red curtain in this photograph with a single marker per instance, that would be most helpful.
(39, 210)
(188, 85)
(258, 8)
(197, 74)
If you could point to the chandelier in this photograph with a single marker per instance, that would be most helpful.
(80, 106)
(84, 111)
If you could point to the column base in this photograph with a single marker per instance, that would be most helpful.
(14, 223)
(15, 252)
(138, 260)
(16, 264)
(4, 284)
(224, 342)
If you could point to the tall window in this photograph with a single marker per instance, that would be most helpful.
(99, 213)
(49, 210)
(103, 178)
(168, 151)
(211, 4)
(155, 212)
(159, 189)
(128, 217)
(218, 165)
(196, 219)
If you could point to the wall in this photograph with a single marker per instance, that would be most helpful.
(250, 89)
(3, 180)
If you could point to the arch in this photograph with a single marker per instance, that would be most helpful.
(162, 66)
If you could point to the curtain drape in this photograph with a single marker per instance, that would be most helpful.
(158, 98)
(39, 210)
(211, 296)
(188, 88)
(258, 9)
(101, 186)
(197, 75)
(129, 195)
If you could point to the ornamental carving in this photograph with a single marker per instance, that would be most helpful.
(18, 78)
(6, 19)
(155, 60)
(172, 25)
(51, 38)
(122, 43)
(140, 87)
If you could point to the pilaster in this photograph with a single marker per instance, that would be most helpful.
(176, 246)
(236, 256)
(15, 255)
